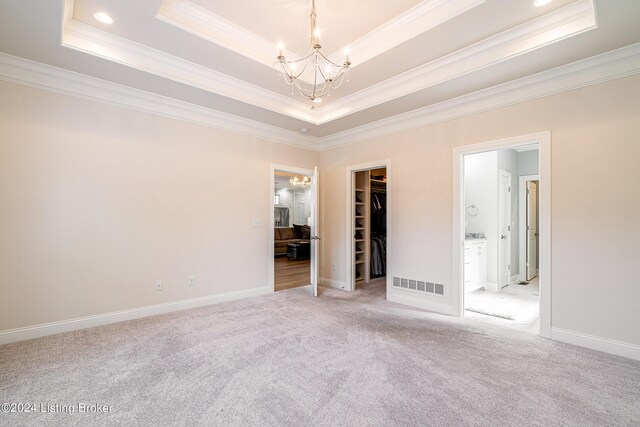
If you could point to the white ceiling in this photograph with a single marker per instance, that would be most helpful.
(340, 22)
(406, 54)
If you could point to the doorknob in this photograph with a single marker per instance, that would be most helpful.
(502, 236)
(314, 238)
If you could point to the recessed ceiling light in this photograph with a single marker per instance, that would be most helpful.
(539, 3)
(103, 17)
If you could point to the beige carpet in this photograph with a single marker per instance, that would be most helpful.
(342, 359)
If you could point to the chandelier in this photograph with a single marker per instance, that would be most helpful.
(303, 182)
(313, 75)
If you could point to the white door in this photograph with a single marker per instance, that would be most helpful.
(504, 230)
(315, 232)
(532, 230)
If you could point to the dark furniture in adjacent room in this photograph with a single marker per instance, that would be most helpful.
(299, 250)
(282, 236)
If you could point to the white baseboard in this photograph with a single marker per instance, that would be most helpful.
(332, 283)
(423, 303)
(619, 348)
(37, 331)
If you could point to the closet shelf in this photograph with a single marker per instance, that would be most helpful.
(359, 228)
(360, 262)
(360, 190)
(359, 240)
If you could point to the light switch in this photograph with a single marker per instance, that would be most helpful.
(256, 222)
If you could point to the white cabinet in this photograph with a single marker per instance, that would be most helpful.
(475, 264)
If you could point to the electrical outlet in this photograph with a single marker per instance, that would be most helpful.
(334, 267)
(158, 285)
(192, 280)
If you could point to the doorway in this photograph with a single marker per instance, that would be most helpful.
(488, 242)
(529, 250)
(368, 231)
(293, 228)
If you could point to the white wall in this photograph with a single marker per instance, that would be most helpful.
(97, 202)
(528, 162)
(481, 190)
(594, 216)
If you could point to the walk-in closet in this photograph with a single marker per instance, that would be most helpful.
(369, 225)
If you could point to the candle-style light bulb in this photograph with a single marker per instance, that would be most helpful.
(347, 51)
(280, 49)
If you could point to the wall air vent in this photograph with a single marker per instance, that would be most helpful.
(419, 286)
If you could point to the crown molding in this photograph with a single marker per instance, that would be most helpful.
(415, 21)
(611, 65)
(30, 73)
(568, 21)
(560, 24)
(598, 69)
(203, 23)
(92, 40)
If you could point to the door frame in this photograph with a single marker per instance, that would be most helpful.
(522, 223)
(349, 225)
(272, 182)
(506, 174)
(543, 139)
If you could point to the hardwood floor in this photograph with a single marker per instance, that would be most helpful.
(291, 274)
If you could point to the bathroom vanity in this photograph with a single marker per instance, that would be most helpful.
(475, 264)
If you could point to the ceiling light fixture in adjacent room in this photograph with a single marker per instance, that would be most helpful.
(303, 182)
(539, 3)
(314, 75)
(103, 17)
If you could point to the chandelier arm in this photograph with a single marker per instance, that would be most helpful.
(304, 58)
(331, 62)
(315, 79)
(340, 78)
(284, 63)
(324, 78)
(286, 68)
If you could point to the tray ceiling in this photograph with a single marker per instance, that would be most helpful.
(406, 54)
